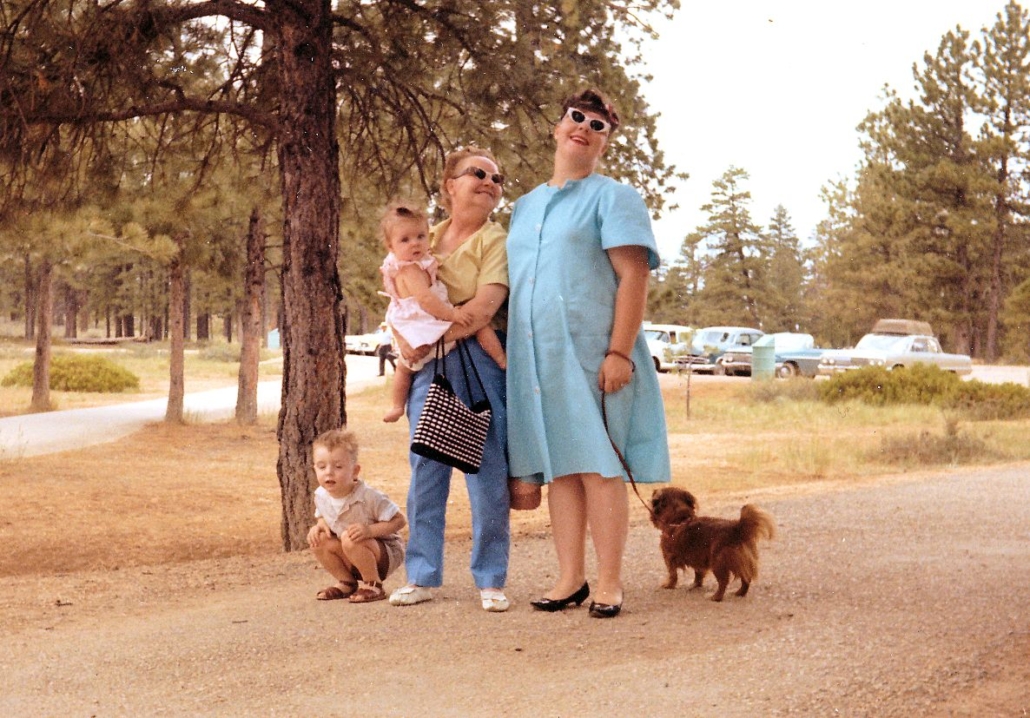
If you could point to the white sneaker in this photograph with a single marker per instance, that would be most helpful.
(494, 600)
(410, 595)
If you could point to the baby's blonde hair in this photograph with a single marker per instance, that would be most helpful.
(338, 439)
(400, 209)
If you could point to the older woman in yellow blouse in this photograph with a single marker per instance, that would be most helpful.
(474, 268)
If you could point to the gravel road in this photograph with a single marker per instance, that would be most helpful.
(903, 597)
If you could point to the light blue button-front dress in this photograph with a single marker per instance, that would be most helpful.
(560, 315)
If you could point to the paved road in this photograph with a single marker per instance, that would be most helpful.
(35, 434)
(891, 599)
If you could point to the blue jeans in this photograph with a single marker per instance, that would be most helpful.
(488, 490)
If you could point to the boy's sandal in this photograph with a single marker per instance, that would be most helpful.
(335, 593)
(369, 592)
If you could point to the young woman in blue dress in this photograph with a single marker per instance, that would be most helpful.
(580, 251)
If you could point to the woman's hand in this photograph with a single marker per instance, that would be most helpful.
(412, 355)
(479, 310)
(462, 317)
(616, 372)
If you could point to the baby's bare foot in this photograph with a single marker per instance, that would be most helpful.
(393, 414)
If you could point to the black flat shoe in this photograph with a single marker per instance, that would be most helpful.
(557, 604)
(604, 610)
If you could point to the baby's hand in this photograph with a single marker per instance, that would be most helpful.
(462, 317)
(358, 532)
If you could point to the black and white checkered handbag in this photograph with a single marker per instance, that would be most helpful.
(448, 431)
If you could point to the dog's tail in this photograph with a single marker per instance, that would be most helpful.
(754, 524)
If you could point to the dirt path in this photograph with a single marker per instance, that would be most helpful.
(901, 598)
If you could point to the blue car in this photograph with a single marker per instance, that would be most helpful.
(796, 355)
(709, 347)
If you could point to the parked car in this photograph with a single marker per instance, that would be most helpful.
(361, 343)
(666, 341)
(796, 355)
(708, 346)
(893, 352)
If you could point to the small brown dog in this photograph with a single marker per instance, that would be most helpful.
(705, 543)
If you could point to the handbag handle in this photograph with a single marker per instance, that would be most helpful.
(465, 358)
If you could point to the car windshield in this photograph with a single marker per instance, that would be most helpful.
(882, 342)
(656, 335)
(712, 337)
(793, 342)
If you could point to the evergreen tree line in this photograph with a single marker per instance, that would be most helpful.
(933, 226)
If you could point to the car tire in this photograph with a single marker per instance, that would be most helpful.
(657, 364)
(787, 371)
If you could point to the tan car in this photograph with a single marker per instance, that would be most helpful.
(893, 352)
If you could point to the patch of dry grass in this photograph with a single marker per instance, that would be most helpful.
(171, 494)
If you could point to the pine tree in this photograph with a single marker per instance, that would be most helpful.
(735, 279)
(1004, 60)
(786, 275)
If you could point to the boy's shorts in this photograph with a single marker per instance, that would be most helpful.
(391, 555)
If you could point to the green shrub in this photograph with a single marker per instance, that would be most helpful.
(918, 384)
(72, 372)
(927, 385)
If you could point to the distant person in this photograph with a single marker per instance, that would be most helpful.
(384, 349)
(580, 251)
(419, 311)
(356, 533)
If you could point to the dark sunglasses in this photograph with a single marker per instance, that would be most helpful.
(579, 118)
(480, 174)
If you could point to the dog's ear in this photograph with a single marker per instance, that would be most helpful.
(691, 500)
(656, 500)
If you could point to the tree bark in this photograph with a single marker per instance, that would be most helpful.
(31, 300)
(71, 313)
(1002, 219)
(176, 337)
(250, 325)
(44, 311)
(313, 342)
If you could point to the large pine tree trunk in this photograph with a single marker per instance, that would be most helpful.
(313, 368)
(44, 311)
(176, 340)
(250, 325)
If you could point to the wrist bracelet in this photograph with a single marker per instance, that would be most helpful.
(632, 363)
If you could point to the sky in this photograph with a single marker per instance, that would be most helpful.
(777, 88)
